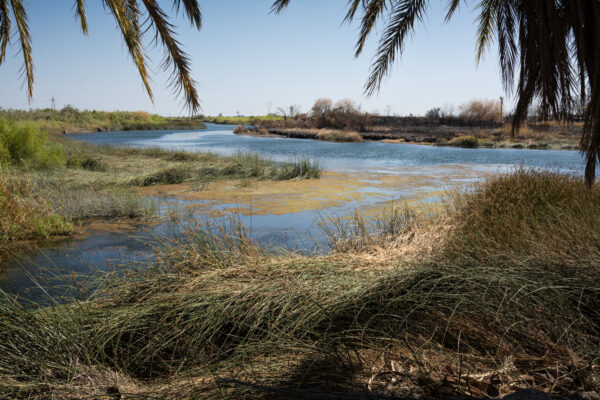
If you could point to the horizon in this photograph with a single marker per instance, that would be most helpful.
(240, 76)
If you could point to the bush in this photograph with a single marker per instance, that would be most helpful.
(27, 145)
(469, 142)
(239, 129)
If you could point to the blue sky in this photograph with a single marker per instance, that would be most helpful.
(249, 61)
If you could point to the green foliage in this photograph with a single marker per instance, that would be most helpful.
(26, 145)
(71, 120)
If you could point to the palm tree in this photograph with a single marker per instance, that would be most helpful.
(127, 14)
(552, 45)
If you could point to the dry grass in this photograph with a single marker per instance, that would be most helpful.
(508, 299)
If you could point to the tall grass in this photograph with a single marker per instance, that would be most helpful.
(490, 312)
(23, 217)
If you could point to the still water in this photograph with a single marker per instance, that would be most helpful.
(361, 176)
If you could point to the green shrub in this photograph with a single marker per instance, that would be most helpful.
(26, 145)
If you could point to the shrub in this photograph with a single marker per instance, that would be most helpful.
(465, 141)
(239, 129)
(481, 110)
(27, 145)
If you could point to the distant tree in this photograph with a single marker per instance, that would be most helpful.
(434, 113)
(481, 110)
(294, 111)
(131, 21)
(283, 112)
(321, 107)
(550, 46)
(346, 106)
(448, 110)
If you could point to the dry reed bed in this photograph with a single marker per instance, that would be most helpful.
(510, 298)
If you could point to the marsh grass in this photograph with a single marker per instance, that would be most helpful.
(24, 217)
(357, 233)
(510, 299)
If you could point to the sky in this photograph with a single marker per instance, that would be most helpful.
(249, 61)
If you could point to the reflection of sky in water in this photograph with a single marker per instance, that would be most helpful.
(376, 156)
(435, 168)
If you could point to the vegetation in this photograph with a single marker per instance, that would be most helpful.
(26, 145)
(49, 184)
(499, 293)
(72, 120)
(241, 120)
(25, 217)
(550, 46)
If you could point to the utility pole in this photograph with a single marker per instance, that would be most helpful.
(53, 100)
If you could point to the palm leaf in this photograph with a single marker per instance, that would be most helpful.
(181, 78)
(192, 9)
(126, 16)
(80, 14)
(402, 21)
(25, 39)
(4, 28)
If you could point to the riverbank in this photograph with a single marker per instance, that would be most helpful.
(496, 138)
(72, 120)
(497, 292)
(89, 182)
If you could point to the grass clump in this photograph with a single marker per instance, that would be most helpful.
(167, 176)
(487, 312)
(23, 216)
(468, 142)
(540, 216)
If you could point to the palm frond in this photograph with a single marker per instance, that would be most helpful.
(25, 39)
(452, 7)
(487, 25)
(4, 28)
(192, 10)
(181, 78)
(402, 21)
(80, 14)
(353, 6)
(279, 5)
(373, 11)
(126, 16)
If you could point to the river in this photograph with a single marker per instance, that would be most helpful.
(361, 176)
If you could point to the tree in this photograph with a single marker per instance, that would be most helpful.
(434, 113)
(551, 47)
(321, 107)
(132, 21)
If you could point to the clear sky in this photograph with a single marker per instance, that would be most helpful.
(249, 61)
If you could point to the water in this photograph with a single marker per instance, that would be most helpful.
(370, 174)
(374, 156)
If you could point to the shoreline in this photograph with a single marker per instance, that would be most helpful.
(544, 140)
